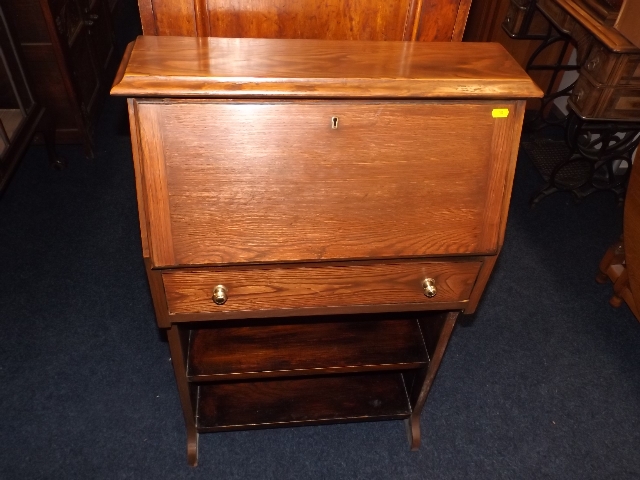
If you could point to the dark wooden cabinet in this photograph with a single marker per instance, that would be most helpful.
(314, 216)
(21, 115)
(69, 50)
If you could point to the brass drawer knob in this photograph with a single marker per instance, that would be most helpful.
(220, 295)
(429, 287)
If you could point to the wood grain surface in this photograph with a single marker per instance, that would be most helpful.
(632, 233)
(274, 182)
(302, 401)
(425, 20)
(325, 345)
(254, 289)
(608, 35)
(223, 67)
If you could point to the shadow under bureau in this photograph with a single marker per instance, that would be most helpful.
(314, 216)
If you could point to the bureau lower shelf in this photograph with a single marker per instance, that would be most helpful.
(301, 401)
(302, 371)
(323, 346)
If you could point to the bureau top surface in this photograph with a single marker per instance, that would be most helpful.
(252, 68)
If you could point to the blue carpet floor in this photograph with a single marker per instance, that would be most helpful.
(543, 382)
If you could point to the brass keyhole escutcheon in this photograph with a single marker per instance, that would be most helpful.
(220, 295)
(429, 287)
(334, 122)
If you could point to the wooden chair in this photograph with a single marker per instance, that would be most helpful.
(422, 20)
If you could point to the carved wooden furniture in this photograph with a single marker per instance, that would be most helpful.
(602, 127)
(424, 20)
(21, 116)
(621, 263)
(68, 47)
(314, 214)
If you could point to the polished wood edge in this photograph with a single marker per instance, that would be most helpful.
(147, 17)
(416, 20)
(191, 70)
(308, 372)
(316, 311)
(461, 20)
(303, 423)
(613, 39)
(409, 20)
(123, 64)
(203, 29)
(209, 87)
(445, 258)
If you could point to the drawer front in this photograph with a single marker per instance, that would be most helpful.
(602, 64)
(606, 68)
(621, 103)
(239, 182)
(273, 289)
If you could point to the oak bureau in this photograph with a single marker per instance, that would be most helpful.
(315, 214)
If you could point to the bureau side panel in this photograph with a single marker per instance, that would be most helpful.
(504, 145)
(238, 182)
(154, 176)
(140, 193)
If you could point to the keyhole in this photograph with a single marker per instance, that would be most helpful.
(334, 122)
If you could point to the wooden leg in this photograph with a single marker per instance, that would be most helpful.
(412, 425)
(192, 447)
(178, 347)
(613, 256)
(436, 334)
(48, 131)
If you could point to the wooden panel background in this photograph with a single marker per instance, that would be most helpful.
(425, 20)
(252, 182)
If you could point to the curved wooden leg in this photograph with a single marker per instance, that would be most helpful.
(192, 447)
(601, 278)
(412, 425)
(615, 301)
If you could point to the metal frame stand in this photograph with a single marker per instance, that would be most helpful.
(595, 154)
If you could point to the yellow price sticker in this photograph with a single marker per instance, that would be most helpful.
(500, 113)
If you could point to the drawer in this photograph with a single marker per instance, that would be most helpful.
(606, 68)
(233, 182)
(591, 101)
(284, 288)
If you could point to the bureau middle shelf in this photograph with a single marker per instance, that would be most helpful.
(319, 347)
